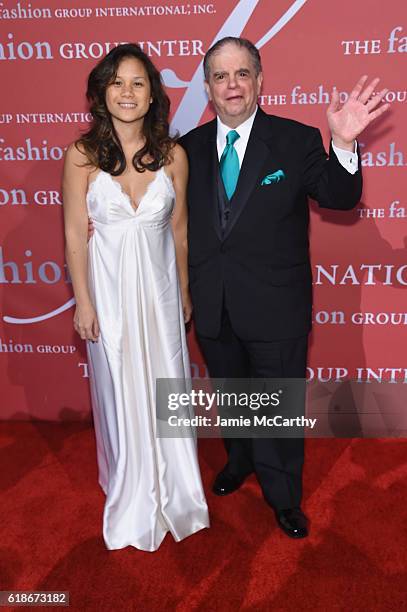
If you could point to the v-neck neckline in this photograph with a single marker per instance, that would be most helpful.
(124, 192)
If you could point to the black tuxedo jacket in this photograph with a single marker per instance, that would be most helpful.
(258, 266)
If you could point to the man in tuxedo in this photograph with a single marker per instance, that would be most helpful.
(250, 278)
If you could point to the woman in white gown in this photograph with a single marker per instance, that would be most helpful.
(131, 288)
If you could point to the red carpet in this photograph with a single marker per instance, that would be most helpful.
(354, 559)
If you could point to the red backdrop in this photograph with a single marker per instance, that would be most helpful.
(307, 46)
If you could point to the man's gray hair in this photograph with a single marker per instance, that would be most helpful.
(243, 43)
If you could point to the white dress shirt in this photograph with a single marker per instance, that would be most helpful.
(347, 159)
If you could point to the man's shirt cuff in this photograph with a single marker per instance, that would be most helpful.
(347, 159)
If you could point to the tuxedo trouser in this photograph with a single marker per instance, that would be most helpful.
(277, 462)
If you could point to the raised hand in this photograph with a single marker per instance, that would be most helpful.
(360, 109)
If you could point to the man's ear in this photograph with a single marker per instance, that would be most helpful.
(259, 82)
(208, 91)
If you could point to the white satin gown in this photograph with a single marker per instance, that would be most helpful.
(152, 485)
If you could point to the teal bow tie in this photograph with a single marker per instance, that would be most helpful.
(229, 164)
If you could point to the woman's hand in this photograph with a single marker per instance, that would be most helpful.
(186, 305)
(86, 323)
(91, 229)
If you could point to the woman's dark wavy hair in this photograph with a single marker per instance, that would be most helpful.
(101, 143)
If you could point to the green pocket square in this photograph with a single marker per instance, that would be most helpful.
(276, 177)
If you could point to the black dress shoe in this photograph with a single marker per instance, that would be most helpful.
(225, 483)
(293, 522)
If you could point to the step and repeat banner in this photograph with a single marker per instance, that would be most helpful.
(47, 49)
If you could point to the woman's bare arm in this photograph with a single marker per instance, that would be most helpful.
(74, 188)
(179, 173)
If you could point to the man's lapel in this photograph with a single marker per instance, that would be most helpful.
(210, 164)
(257, 151)
(214, 187)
